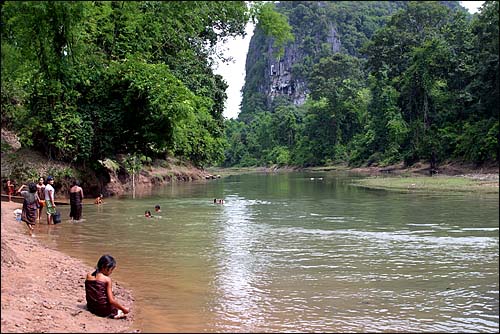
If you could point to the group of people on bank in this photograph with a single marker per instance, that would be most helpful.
(37, 196)
(98, 284)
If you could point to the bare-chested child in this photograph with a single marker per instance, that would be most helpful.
(10, 189)
(40, 189)
(98, 200)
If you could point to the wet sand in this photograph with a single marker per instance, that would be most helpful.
(43, 289)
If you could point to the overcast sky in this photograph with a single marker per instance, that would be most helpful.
(234, 72)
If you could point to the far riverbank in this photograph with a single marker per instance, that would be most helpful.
(484, 184)
(449, 177)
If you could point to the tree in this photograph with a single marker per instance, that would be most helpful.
(89, 80)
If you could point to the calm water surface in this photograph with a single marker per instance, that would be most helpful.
(287, 253)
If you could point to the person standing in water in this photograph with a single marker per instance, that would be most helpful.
(50, 199)
(40, 189)
(75, 201)
(30, 205)
(98, 200)
(10, 188)
(99, 290)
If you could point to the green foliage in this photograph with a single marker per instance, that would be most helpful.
(279, 155)
(386, 82)
(132, 163)
(235, 148)
(484, 88)
(89, 80)
(426, 53)
(478, 141)
(320, 29)
(5, 147)
(19, 171)
(337, 84)
(110, 164)
(275, 25)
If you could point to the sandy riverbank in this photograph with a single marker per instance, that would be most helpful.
(43, 289)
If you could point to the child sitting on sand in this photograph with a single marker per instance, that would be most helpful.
(99, 292)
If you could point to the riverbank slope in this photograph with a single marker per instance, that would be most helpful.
(43, 289)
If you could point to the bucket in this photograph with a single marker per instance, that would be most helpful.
(56, 217)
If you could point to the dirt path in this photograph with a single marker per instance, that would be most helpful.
(43, 289)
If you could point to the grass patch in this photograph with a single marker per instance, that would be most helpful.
(431, 184)
(233, 170)
(328, 168)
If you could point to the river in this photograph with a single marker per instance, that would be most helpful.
(296, 252)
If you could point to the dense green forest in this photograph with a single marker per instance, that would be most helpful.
(86, 81)
(410, 81)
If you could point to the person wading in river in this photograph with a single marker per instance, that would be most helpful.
(75, 201)
(40, 190)
(30, 205)
(49, 199)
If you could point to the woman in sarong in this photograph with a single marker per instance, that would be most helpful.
(30, 205)
(75, 201)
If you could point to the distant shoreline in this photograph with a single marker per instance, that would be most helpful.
(484, 184)
(449, 177)
(421, 169)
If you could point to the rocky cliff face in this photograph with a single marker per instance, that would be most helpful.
(283, 81)
(321, 28)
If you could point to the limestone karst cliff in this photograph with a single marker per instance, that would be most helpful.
(320, 28)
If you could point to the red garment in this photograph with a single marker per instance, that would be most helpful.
(97, 299)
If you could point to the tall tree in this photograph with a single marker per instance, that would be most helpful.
(95, 79)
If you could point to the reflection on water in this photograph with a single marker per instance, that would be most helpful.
(237, 304)
(287, 253)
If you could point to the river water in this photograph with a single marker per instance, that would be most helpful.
(297, 252)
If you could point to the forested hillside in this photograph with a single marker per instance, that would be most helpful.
(374, 82)
(87, 81)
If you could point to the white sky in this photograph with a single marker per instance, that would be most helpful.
(234, 72)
